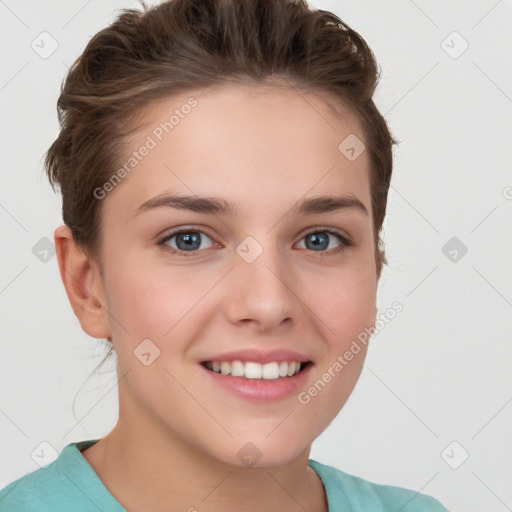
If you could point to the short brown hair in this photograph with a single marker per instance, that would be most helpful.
(181, 45)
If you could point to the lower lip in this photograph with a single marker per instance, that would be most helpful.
(260, 389)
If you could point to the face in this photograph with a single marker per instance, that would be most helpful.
(256, 287)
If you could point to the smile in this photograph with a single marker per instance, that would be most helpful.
(252, 370)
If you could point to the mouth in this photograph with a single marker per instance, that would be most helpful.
(252, 370)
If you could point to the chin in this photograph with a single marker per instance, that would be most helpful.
(262, 453)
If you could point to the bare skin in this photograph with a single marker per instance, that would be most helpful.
(176, 442)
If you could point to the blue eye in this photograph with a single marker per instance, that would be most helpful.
(186, 242)
(319, 241)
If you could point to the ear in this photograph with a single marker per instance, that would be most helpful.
(83, 283)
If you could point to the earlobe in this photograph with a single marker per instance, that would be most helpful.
(83, 284)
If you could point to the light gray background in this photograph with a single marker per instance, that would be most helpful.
(438, 373)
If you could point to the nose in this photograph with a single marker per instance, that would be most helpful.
(261, 293)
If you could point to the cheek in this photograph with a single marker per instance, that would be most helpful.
(148, 300)
(345, 306)
(344, 302)
(168, 306)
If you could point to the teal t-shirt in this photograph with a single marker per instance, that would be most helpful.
(69, 483)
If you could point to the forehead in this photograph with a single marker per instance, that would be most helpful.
(247, 143)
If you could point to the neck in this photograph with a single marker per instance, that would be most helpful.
(160, 472)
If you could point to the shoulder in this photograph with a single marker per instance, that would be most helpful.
(352, 493)
(34, 491)
(67, 483)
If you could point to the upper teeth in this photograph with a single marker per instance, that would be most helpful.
(252, 370)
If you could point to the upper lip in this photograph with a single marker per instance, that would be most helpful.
(259, 356)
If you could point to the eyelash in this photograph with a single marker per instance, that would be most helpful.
(344, 241)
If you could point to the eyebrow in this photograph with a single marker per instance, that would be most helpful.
(218, 206)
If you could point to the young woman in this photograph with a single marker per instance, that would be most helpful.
(224, 175)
